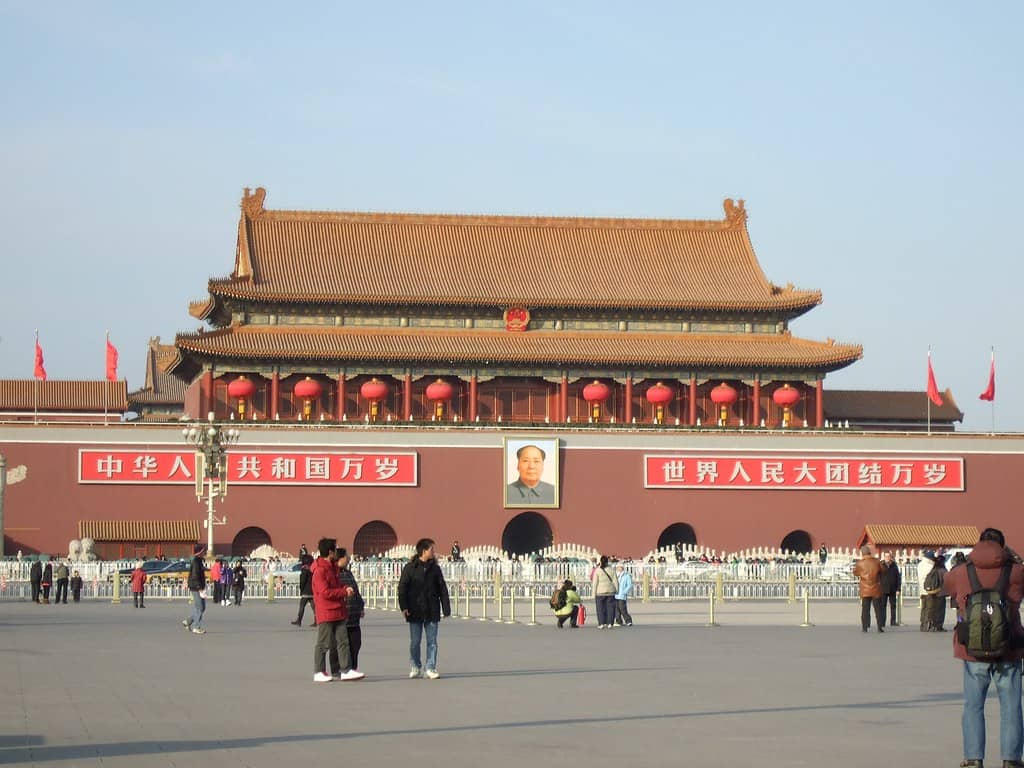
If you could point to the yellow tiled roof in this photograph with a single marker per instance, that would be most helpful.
(139, 530)
(923, 535)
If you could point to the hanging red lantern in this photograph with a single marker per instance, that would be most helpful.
(723, 396)
(596, 393)
(309, 390)
(786, 397)
(657, 396)
(439, 392)
(243, 389)
(374, 390)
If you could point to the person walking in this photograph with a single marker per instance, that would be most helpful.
(990, 566)
(35, 577)
(570, 605)
(76, 587)
(305, 589)
(139, 585)
(330, 601)
(423, 600)
(215, 570)
(625, 579)
(227, 580)
(62, 584)
(869, 570)
(197, 586)
(605, 586)
(46, 582)
(892, 583)
(355, 607)
(238, 586)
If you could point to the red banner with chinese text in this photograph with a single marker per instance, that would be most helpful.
(815, 473)
(159, 467)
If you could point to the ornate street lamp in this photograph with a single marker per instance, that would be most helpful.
(209, 441)
(786, 397)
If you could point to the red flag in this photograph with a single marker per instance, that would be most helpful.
(990, 392)
(40, 371)
(933, 388)
(111, 361)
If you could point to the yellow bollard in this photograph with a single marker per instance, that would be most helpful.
(117, 588)
(500, 597)
(647, 587)
(720, 586)
(791, 596)
(711, 610)
(270, 586)
(899, 607)
(483, 602)
(511, 606)
(468, 605)
(807, 610)
(533, 608)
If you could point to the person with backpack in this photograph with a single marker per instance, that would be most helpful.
(566, 604)
(605, 586)
(988, 640)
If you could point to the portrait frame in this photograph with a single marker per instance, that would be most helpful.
(548, 491)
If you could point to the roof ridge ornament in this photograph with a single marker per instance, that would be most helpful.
(252, 204)
(735, 212)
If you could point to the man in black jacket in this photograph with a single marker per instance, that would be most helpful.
(423, 599)
(892, 583)
(305, 589)
(35, 576)
(197, 586)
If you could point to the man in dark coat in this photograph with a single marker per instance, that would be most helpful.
(47, 580)
(197, 586)
(989, 559)
(35, 576)
(305, 589)
(892, 583)
(423, 599)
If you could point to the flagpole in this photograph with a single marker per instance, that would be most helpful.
(927, 395)
(106, 382)
(35, 399)
(993, 401)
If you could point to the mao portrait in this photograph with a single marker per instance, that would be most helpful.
(531, 472)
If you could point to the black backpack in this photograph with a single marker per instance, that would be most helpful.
(557, 601)
(933, 581)
(985, 628)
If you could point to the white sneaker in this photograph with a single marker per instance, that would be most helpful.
(320, 677)
(431, 674)
(414, 672)
(354, 674)
(198, 631)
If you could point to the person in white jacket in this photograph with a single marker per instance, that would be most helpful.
(622, 617)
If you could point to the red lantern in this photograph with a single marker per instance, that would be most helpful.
(242, 388)
(374, 390)
(595, 394)
(786, 397)
(309, 390)
(439, 392)
(723, 396)
(657, 396)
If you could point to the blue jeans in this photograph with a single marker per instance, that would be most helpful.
(415, 636)
(198, 608)
(977, 676)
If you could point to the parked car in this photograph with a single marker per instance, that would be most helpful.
(160, 570)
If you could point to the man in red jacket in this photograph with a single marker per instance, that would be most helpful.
(330, 603)
(989, 557)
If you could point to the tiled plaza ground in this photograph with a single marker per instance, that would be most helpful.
(97, 684)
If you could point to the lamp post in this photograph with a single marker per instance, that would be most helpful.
(209, 441)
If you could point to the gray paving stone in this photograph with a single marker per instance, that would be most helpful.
(96, 684)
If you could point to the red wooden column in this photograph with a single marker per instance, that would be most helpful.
(472, 397)
(563, 399)
(407, 397)
(339, 406)
(819, 404)
(693, 402)
(275, 395)
(208, 398)
(756, 420)
(627, 412)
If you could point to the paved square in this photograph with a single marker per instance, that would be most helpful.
(96, 684)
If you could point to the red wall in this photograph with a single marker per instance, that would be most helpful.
(460, 496)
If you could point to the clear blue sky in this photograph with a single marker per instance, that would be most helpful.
(878, 147)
